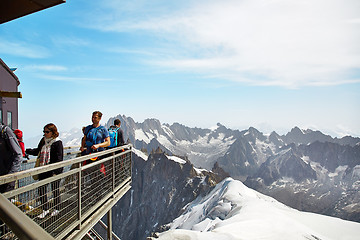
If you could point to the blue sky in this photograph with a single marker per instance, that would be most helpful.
(270, 64)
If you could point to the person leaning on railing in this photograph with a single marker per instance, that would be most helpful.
(96, 137)
(50, 150)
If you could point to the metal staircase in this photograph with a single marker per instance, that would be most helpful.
(68, 205)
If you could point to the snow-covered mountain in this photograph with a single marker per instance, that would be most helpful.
(233, 211)
(317, 177)
(171, 199)
(201, 146)
(304, 169)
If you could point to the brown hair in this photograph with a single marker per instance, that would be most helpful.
(53, 129)
(117, 121)
(98, 113)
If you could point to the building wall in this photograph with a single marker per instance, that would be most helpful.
(9, 83)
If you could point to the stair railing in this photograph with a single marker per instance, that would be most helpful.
(68, 205)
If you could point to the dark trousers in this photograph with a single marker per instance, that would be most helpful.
(7, 187)
(42, 191)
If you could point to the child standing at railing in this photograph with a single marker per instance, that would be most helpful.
(19, 136)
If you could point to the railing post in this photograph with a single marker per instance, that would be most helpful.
(113, 174)
(130, 170)
(109, 229)
(79, 195)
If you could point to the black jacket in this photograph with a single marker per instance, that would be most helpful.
(120, 140)
(10, 157)
(56, 155)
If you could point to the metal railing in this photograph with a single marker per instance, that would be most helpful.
(69, 153)
(68, 205)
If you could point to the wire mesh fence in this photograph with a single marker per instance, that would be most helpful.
(60, 203)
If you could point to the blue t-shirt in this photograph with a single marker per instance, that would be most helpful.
(95, 136)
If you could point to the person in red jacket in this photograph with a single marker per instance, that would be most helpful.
(19, 136)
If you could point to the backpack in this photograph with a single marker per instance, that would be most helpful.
(10, 151)
(113, 132)
(91, 139)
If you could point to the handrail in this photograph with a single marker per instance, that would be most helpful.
(22, 226)
(77, 198)
(35, 171)
(33, 159)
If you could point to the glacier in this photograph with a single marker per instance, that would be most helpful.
(233, 211)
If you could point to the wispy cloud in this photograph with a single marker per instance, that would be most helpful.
(73, 79)
(71, 41)
(281, 42)
(23, 49)
(50, 68)
(342, 131)
(123, 50)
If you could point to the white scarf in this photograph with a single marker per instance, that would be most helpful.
(44, 156)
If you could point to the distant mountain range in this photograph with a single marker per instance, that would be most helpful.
(304, 169)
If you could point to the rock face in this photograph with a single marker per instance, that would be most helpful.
(160, 189)
(286, 164)
(240, 160)
(318, 177)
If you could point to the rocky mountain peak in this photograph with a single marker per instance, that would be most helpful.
(151, 124)
(161, 187)
(275, 138)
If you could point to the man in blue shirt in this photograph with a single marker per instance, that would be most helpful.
(96, 137)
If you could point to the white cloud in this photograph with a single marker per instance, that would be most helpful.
(69, 41)
(279, 42)
(73, 79)
(50, 68)
(343, 131)
(23, 49)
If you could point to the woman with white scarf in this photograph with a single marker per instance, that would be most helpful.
(50, 150)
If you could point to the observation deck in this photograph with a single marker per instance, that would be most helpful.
(76, 200)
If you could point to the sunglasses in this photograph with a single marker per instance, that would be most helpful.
(46, 131)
